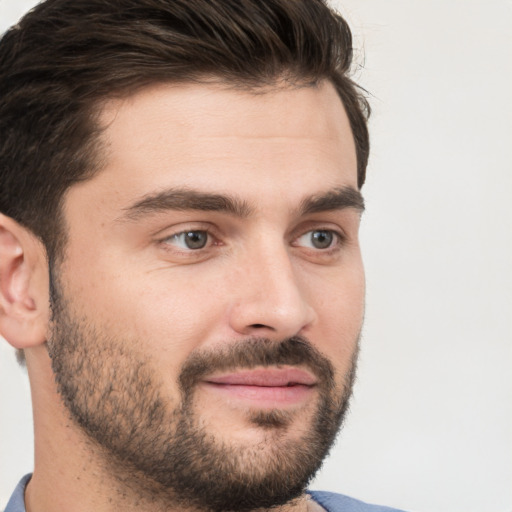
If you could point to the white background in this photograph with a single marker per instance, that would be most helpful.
(430, 427)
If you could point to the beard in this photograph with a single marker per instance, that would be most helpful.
(159, 446)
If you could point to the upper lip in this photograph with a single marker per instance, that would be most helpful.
(266, 377)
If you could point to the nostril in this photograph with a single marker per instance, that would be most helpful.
(260, 326)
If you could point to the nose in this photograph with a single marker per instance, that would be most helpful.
(269, 299)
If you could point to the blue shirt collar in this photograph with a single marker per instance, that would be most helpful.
(17, 501)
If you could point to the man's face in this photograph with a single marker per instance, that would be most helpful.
(210, 298)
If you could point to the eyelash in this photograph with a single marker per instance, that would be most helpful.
(338, 241)
(171, 247)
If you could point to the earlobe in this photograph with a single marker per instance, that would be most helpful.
(24, 306)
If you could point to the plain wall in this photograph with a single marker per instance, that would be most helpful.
(430, 427)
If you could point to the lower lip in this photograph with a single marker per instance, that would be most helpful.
(263, 396)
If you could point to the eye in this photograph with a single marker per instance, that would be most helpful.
(318, 239)
(191, 240)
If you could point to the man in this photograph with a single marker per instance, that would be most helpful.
(179, 257)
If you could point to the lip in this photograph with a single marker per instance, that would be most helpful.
(265, 377)
(264, 388)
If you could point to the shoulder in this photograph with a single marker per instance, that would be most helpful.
(333, 502)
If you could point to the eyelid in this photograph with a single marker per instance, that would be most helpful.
(338, 238)
(181, 227)
(164, 235)
(181, 244)
(314, 225)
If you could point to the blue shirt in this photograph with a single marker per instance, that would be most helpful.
(330, 501)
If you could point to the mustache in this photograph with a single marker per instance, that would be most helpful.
(253, 352)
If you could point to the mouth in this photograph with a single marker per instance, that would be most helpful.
(264, 387)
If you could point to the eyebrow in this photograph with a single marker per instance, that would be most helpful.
(183, 199)
(336, 199)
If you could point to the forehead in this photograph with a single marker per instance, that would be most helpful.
(213, 138)
(199, 106)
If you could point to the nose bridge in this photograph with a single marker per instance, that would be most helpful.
(270, 296)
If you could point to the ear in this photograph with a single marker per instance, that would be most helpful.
(24, 288)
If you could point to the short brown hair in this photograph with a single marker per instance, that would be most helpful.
(66, 56)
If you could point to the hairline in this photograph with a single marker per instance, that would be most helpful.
(98, 107)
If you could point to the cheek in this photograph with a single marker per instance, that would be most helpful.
(176, 314)
(162, 311)
(340, 312)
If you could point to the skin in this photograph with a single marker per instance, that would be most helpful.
(258, 276)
